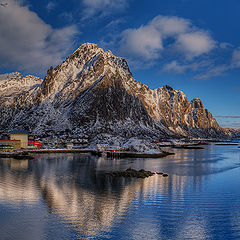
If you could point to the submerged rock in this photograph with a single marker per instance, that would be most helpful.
(132, 173)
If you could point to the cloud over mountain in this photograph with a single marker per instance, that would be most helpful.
(163, 33)
(194, 43)
(27, 43)
(177, 46)
(145, 42)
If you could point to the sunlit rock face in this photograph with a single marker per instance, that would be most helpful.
(234, 132)
(94, 92)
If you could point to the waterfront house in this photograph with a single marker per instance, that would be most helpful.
(20, 135)
(69, 145)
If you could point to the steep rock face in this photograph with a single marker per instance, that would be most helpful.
(15, 90)
(203, 121)
(11, 76)
(202, 117)
(92, 92)
(17, 84)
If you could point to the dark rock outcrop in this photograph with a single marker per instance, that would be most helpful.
(131, 173)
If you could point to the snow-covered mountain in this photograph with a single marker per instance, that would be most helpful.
(234, 132)
(94, 92)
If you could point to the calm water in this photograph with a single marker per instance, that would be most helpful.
(66, 196)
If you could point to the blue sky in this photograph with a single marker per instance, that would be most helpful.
(194, 46)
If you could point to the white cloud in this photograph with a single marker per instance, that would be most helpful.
(114, 23)
(178, 45)
(225, 45)
(145, 42)
(194, 44)
(175, 67)
(51, 6)
(180, 68)
(165, 33)
(171, 25)
(102, 8)
(206, 69)
(27, 43)
(213, 72)
(236, 58)
(68, 16)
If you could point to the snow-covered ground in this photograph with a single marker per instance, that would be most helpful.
(107, 141)
(140, 145)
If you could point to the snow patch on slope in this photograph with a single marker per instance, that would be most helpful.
(16, 83)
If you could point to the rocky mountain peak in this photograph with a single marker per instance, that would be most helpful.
(12, 76)
(16, 83)
(86, 65)
(197, 103)
(88, 45)
(168, 88)
(91, 51)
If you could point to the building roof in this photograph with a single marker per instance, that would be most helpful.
(19, 132)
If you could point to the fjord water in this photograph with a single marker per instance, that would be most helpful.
(67, 196)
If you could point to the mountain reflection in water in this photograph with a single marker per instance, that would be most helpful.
(61, 196)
